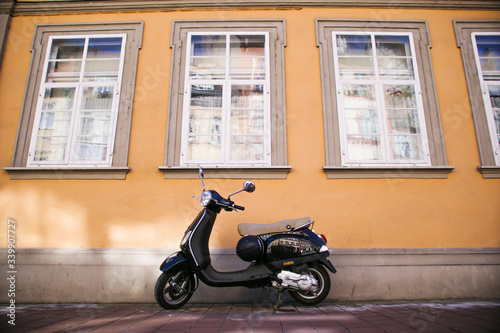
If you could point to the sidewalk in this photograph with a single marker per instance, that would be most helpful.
(358, 317)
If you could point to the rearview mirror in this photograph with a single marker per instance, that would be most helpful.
(249, 186)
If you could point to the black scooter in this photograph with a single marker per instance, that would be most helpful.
(286, 255)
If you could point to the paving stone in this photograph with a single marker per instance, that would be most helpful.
(355, 317)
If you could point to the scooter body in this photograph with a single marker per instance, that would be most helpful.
(287, 255)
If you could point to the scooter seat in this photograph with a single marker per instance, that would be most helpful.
(260, 229)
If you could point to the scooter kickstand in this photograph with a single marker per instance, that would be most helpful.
(279, 301)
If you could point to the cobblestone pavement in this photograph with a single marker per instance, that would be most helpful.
(358, 317)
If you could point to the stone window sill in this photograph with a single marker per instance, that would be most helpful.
(489, 171)
(67, 173)
(438, 172)
(191, 172)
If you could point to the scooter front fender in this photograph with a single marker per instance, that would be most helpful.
(177, 260)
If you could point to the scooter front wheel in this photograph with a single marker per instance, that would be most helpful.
(174, 289)
(321, 292)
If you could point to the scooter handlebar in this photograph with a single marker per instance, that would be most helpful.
(238, 207)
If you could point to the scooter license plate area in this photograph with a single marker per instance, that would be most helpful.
(284, 247)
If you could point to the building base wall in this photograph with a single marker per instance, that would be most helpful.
(129, 275)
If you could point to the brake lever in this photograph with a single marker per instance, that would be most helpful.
(230, 208)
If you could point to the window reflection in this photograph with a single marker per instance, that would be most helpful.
(76, 112)
(488, 48)
(379, 101)
(227, 101)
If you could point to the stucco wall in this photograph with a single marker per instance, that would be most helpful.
(149, 212)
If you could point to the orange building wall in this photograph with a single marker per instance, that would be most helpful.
(147, 211)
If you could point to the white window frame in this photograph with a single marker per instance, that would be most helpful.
(227, 82)
(386, 159)
(68, 161)
(334, 169)
(486, 96)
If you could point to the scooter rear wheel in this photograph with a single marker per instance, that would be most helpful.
(313, 298)
(174, 289)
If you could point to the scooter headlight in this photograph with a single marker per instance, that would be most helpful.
(205, 198)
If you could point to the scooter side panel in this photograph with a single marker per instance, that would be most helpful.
(289, 246)
(176, 260)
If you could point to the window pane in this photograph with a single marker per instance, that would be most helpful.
(403, 121)
(54, 123)
(354, 45)
(207, 68)
(400, 96)
(496, 115)
(247, 96)
(65, 60)
(488, 48)
(356, 68)
(58, 99)
(248, 148)
(101, 70)
(363, 148)
(208, 57)
(495, 104)
(91, 149)
(395, 68)
(247, 45)
(206, 96)
(204, 148)
(109, 47)
(247, 121)
(406, 147)
(355, 57)
(494, 96)
(247, 68)
(97, 98)
(71, 48)
(63, 71)
(51, 149)
(361, 121)
(393, 46)
(205, 121)
(208, 45)
(94, 123)
(247, 57)
(359, 96)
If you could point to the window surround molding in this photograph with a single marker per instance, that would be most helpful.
(463, 34)
(119, 168)
(333, 167)
(278, 169)
(4, 31)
